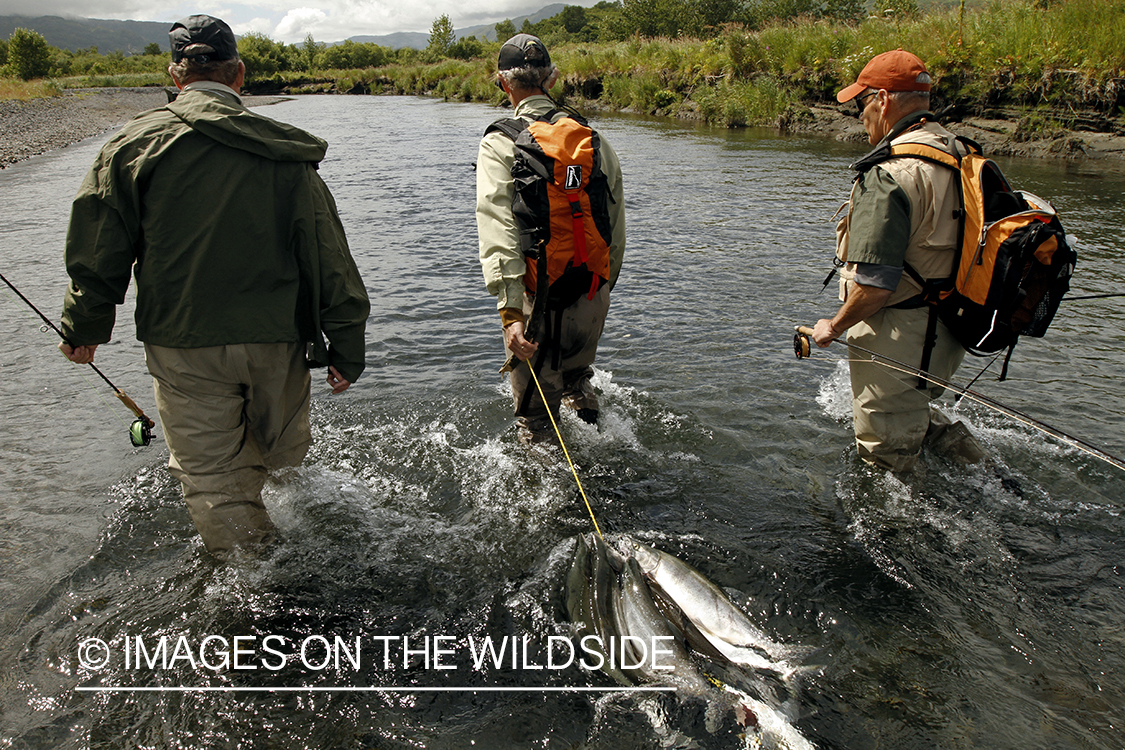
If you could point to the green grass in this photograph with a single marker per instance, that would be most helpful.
(40, 88)
(1046, 62)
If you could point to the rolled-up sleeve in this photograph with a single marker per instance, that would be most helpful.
(879, 230)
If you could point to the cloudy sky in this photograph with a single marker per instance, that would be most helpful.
(291, 20)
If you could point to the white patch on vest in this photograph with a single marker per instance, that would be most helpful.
(573, 177)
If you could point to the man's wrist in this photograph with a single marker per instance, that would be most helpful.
(509, 315)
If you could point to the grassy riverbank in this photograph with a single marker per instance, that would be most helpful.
(1059, 66)
(1062, 66)
(1064, 63)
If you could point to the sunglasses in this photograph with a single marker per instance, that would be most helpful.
(860, 102)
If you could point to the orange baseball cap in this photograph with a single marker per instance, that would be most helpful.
(896, 70)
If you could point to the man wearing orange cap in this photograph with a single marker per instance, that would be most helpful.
(900, 232)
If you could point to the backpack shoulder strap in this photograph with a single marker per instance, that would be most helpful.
(932, 287)
(509, 126)
(926, 153)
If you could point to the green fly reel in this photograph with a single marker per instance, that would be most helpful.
(140, 434)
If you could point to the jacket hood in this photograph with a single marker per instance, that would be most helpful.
(223, 119)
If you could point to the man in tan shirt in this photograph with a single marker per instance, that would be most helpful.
(902, 216)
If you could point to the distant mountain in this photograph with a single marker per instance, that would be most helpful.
(401, 39)
(82, 33)
(132, 36)
(488, 31)
(418, 40)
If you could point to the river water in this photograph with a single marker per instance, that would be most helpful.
(954, 607)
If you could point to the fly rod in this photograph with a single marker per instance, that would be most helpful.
(803, 349)
(140, 431)
(1094, 296)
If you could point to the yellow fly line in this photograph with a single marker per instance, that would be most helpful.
(565, 451)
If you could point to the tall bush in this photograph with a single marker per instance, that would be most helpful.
(349, 55)
(29, 56)
(264, 57)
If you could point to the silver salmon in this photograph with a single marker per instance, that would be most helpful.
(642, 596)
(710, 610)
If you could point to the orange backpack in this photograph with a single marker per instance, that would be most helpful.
(1013, 264)
(561, 204)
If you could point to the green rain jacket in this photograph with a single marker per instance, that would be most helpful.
(232, 236)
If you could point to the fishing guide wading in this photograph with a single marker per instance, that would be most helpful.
(233, 306)
(937, 257)
(550, 220)
(937, 253)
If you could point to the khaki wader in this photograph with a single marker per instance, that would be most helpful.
(891, 414)
(576, 347)
(231, 414)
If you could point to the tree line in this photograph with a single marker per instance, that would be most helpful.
(619, 20)
(27, 55)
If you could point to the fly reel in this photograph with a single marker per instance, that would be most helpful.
(801, 345)
(140, 433)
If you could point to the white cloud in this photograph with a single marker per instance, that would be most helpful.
(254, 26)
(300, 22)
(326, 20)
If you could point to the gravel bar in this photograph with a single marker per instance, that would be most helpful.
(33, 127)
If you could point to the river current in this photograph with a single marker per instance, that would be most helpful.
(977, 607)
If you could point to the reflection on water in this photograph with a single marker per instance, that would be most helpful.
(951, 608)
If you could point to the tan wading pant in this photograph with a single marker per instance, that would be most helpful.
(891, 414)
(231, 414)
(582, 325)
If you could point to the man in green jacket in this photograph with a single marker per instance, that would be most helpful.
(242, 269)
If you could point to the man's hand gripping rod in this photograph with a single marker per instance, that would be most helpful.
(140, 432)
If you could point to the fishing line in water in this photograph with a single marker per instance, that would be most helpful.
(140, 431)
(566, 453)
(802, 348)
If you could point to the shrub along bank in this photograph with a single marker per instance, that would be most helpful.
(1061, 65)
(1048, 63)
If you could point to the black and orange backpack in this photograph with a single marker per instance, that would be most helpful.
(1013, 264)
(560, 205)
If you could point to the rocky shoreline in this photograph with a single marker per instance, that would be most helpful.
(33, 127)
(997, 137)
(30, 128)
